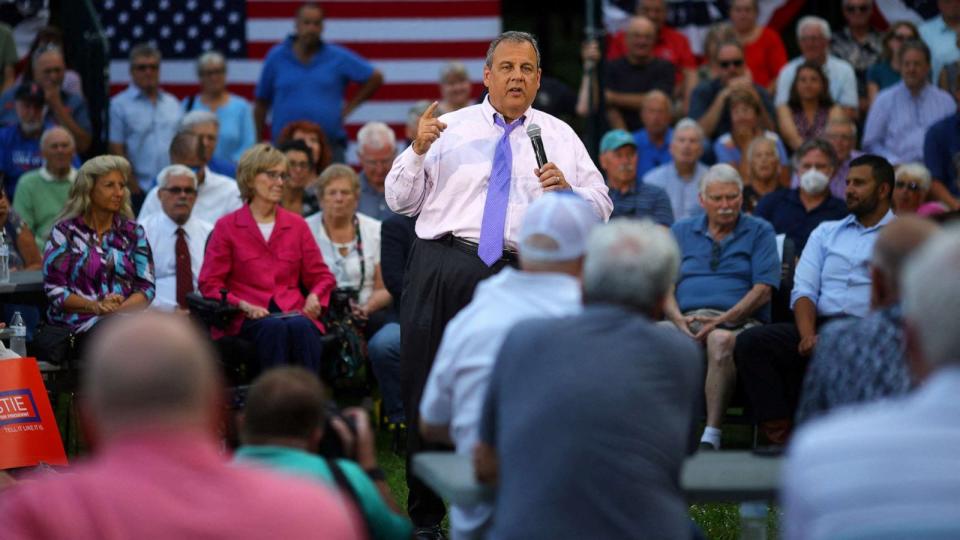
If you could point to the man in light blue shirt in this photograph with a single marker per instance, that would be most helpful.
(940, 35)
(681, 177)
(832, 280)
(143, 120)
(902, 114)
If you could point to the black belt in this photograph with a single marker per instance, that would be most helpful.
(469, 247)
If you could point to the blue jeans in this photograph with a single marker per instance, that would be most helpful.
(384, 351)
(285, 340)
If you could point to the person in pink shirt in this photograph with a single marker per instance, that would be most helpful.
(151, 407)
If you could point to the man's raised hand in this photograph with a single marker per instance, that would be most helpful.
(428, 130)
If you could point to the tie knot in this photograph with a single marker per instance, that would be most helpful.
(507, 128)
(181, 232)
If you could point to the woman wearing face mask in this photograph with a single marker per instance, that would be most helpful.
(796, 212)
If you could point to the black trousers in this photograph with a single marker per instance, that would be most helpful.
(770, 369)
(440, 279)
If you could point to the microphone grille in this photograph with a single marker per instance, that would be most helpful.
(533, 130)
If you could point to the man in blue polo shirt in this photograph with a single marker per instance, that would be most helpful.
(20, 142)
(304, 78)
(729, 268)
(631, 197)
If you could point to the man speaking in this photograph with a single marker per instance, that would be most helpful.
(470, 175)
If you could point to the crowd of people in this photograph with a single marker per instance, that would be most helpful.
(774, 231)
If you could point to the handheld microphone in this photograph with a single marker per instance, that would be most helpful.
(533, 131)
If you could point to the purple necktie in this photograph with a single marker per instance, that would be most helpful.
(498, 195)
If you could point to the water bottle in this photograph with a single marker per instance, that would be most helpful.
(753, 520)
(18, 342)
(4, 259)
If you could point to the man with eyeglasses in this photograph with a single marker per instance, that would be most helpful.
(176, 237)
(728, 270)
(143, 120)
(376, 148)
(708, 105)
(217, 195)
(857, 43)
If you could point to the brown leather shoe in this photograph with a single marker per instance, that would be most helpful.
(778, 431)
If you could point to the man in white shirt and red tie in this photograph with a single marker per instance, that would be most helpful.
(470, 175)
(176, 237)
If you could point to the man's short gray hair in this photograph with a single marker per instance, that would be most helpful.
(513, 36)
(57, 129)
(175, 170)
(816, 144)
(819, 22)
(690, 123)
(845, 122)
(453, 69)
(915, 171)
(760, 141)
(631, 263)
(721, 173)
(142, 50)
(376, 135)
(210, 58)
(931, 297)
(197, 118)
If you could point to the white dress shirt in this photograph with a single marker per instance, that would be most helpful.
(346, 268)
(890, 465)
(162, 236)
(458, 380)
(217, 196)
(447, 186)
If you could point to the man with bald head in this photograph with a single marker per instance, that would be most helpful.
(41, 193)
(859, 360)
(151, 408)
(632, 76)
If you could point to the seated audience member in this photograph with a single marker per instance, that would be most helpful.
(653, 141)
(813, 36)
(639, 71)
(41, 193)
(809, 108)
(888, 469)
(857, 43)
(841, 133)
(456, 90)
(832, 281)
(710, 105)
(551, 245)
(796, 212)
(910, 189)
(413, 121)
(728, 269)
(47, 36)
(62, 108)
(681, 178)
(24, 253)
(152, 405)
(315, 139)
(939, 34)
(858, 360)
(763, 172)
(234, 114)
(97, 261)
(299, 192)
(532, 404)
(762, 47)
(176, 238)
(206, 125)
(903, 113)
(717, 33)
(947, 81)
(940, 144)
(143, 119)
(745, 125)
(376, 148)
(885, 72)
(217, 195)
(20, 142)
(281, 427)
(265, 257)
(631, 197)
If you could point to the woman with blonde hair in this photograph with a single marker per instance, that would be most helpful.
(97, 260)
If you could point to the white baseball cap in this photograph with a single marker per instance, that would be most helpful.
(563, 217)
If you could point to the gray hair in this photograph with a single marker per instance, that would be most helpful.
(721, 173)
(175, 170)
(631, 263)
(690, 123)
(454, 69)
(846, 122)
(819, 22)
(760, 140)
(816, 144)
(197, 118)
(931, 297)
(57, 129)
(514, 37)
(210, 58)
(375, 135)
(916, 171)
(145, 50)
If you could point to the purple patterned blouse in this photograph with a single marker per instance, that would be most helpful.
(74, 262)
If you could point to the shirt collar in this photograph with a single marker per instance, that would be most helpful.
(489, 112)
(169, 226)
(45, 174)
(852, 221)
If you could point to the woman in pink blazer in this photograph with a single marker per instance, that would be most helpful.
(265, 257)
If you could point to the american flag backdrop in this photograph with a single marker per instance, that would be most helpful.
(409, 41)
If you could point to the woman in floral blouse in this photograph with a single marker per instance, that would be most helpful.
(97, 260)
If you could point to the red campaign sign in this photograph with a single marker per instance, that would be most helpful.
(28, 429)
